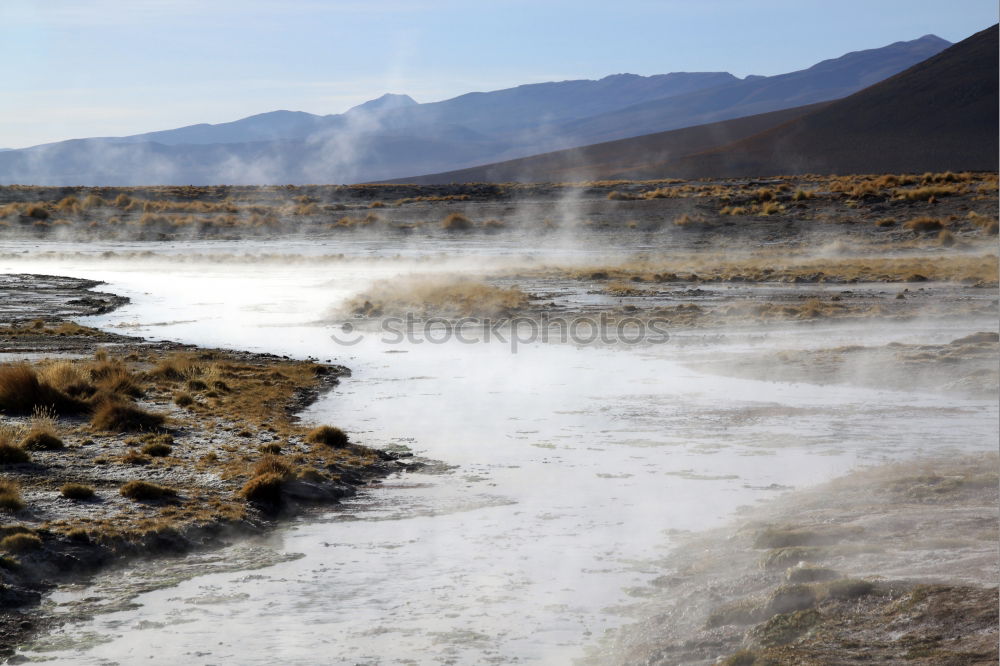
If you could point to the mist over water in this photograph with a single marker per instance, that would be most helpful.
(567, 470)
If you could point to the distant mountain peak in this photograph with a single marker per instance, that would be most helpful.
(386, 102)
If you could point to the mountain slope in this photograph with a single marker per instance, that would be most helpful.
(595, 161)
(938, 115)
(827, 80)
(493, 113)
(503, 111)
(271, 126)
(334, 159)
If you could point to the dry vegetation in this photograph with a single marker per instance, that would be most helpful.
(95, 453)
(908, 229)
(234, 212)
(109, 397)
(437, 297)
(796, 267)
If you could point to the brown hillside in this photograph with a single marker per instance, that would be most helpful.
(593, 161)
(938, 115)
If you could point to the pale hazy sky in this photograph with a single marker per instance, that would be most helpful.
(76, 68)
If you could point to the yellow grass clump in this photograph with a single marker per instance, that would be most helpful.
(22, 391)
(328, 435)
(145, 491)
(456, 222)
(10, 495)
(76, 491)
(437, 297)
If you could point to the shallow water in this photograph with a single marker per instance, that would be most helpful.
(574, 466)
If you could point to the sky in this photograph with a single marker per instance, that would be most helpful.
(79, 68)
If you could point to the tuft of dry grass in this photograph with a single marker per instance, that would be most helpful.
(685, 220)
(21, 542)
(176, 367)
(764, 194)
(145, 491)
(41, 435)
(92, 201)
(157, 449)
(11, 433)
(66, 376)
(11, 454)
(770, 208)
(41, 440)
(263, 489)
(437, 297)
(135, 458)
(37, 211)
(929, 193)
(183, 399)
(114, 416)
(622, 289)
(618, 195)
(22, 391)
(111, 376)
(10, 495)
(456, 222)
(924, 224)
(10, 451)
(306, 209)
(329, 436)
(272, 464)
(76, 491)
(663, 193)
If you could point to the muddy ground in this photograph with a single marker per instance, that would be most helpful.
(893, 564)
(235, 427)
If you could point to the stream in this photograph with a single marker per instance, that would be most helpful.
(566, 470)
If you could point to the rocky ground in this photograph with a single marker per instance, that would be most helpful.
(112, 447)
(893, 564)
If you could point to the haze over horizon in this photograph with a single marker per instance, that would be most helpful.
(108, 68)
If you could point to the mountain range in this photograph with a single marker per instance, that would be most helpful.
(938, 115)
(394, 136)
